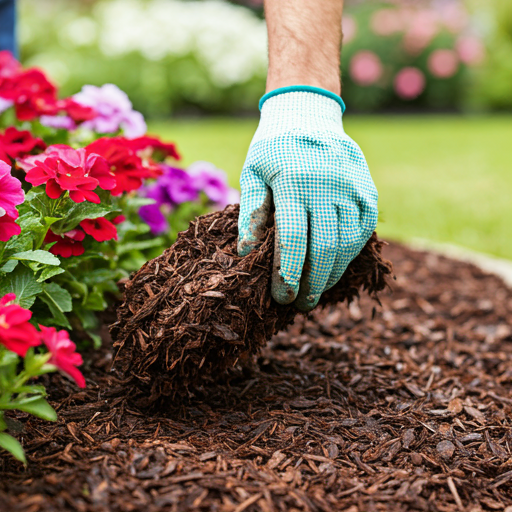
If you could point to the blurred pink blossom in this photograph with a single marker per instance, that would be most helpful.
(365, 68)
(454, 16)
(470, 50)
(348, 28)
(409, 83)
(386, 22)
(443, 63)
(423, 27)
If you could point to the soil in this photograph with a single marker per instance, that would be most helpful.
(407, 410)
(199, 308)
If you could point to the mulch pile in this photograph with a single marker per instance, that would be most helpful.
(410, 410)
(199, 308)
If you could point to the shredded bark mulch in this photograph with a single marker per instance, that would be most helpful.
(409, 410)
(198, 308)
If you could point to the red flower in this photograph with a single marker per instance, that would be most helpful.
(69, 244)
(63, 351)
(9, 66)
(100, 229)
(63, 168)
(126, 165)
(155, 144)
(16, 143)
(33, 94)
(118, 219)
(16, 332)
(79, 113)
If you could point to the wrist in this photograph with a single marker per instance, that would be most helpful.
(305, 88)
(300, 109)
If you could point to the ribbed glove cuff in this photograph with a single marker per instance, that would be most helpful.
(300, 110)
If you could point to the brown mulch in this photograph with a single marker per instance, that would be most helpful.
(410, 410)
(199, 308)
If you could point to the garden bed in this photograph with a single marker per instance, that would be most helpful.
(409, 410)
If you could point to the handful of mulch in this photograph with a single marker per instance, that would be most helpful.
(196, 309)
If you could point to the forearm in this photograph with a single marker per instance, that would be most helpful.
(304, 43)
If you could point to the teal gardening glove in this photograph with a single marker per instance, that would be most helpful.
(325, 200)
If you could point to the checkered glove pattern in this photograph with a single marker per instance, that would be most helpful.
(324, 197)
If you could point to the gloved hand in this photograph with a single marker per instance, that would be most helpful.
(324, 196)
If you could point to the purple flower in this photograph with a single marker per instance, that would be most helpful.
(114, 110)
(152, 215)
(58, 122)
(5, 104)
(177, 185)
(213, 182)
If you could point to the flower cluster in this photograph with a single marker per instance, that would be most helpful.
(70, 226)
(18, 335)
(33, 95)
(407, 48)
(176, 186)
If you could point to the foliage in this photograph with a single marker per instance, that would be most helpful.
(75, 177)
(211, 55)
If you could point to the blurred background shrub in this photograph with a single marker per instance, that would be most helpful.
(210, 56)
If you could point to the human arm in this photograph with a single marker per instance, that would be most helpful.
(301, 159)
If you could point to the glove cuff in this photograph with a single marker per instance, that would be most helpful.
(304, 88)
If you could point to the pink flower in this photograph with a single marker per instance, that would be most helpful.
(16, 332)
(409, 83)
(348, 28)
(443, 63)
(100, 229)
(8, 227)
(424, 26)
(63, 351)
(11, 193)
(63, 168)
(454, 16)
(365, 68)
(386, 22)
(470, 50)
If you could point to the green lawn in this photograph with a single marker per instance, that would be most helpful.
(446, 179)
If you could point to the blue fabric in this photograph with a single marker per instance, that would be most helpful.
(8, 26)
(303, 88)
(324, 196)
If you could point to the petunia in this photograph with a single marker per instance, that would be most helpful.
(33, 94)
(8, 226)
(178, 185)
(69, 244)
(63, 168)
(16, 332)
(207, 178)
(63, 353)
(11, 193)
(152, 215)
(100, 229)
(113, 108)
(124, 163)
(16, 143)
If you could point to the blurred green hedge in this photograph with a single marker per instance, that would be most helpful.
(210, 56)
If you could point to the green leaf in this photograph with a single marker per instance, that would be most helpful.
(96, 340)
(39, 256)
(21, 282)
(39, 407)
(9, 266)
(139, 246)
(137, 202)
(13, 446)
(59, 301)
(95, 301)
(49, 272)
(80, 212)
